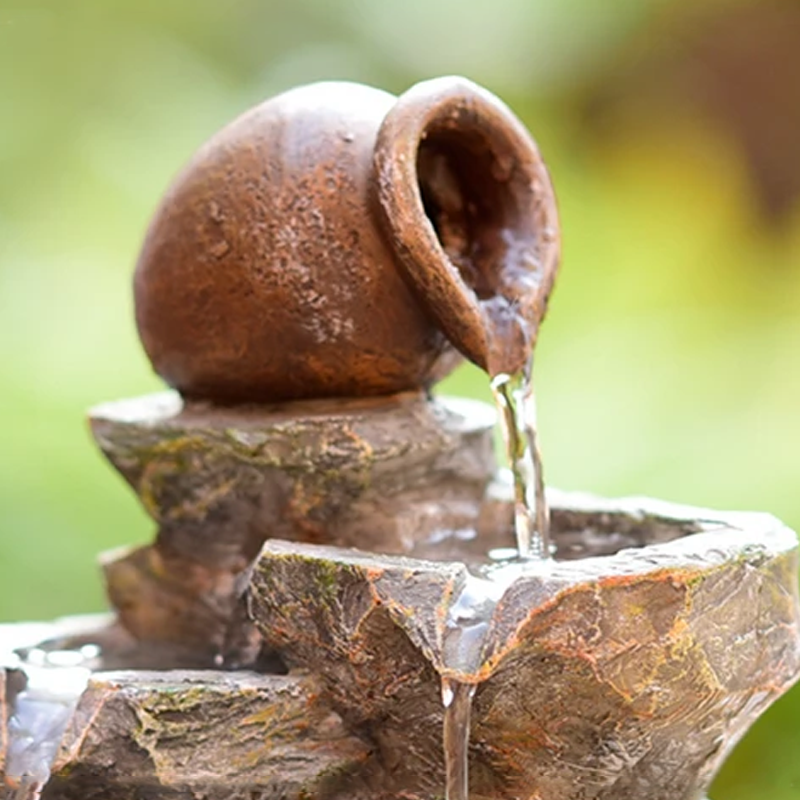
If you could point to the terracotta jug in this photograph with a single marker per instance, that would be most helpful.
(337, 241)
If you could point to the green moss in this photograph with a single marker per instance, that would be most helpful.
(327, 578)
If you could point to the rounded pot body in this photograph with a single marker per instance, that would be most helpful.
(264, 275)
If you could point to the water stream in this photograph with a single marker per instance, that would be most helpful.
(457, 701)
(516, 406)
(471, 613)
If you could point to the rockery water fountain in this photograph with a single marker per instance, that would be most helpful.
(345, 598)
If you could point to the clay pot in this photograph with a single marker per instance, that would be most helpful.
(334, 241)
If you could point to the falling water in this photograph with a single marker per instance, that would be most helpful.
(469, 618)
(457, 701)
(517, 408)
(40, 714)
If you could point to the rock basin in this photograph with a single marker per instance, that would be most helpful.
(626, 675)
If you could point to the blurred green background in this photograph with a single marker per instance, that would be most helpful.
(670, 362)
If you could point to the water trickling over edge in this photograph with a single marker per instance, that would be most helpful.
(469, 619)
(457, 702)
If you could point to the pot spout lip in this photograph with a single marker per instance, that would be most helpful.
(510, 223)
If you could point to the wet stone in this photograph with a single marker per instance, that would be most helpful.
(628, 675)
(384, 474)
(189, 734)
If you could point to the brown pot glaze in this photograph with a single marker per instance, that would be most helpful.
(295, 258)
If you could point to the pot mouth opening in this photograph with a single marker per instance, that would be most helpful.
(472, 202)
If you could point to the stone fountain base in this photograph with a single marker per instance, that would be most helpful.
(623, 676)
(254, 653)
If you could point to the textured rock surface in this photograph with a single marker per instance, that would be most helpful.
(203, 734)
(626, 676)
(383, 474)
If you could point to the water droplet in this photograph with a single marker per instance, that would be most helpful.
(65, 658)
(548, 233)
(503, 553)
(447, 693)
(90, 651)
